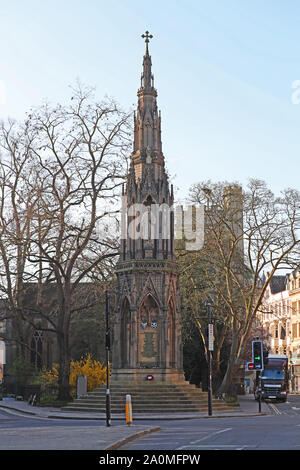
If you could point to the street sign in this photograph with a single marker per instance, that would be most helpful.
(250, 366)
(210, 337)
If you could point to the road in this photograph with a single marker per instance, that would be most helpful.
(19, 432)
(278, 431)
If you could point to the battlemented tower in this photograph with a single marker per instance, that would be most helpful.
(147, 331)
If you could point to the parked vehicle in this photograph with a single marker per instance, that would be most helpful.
(274, 379)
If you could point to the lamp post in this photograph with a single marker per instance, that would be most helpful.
(209, 351)
(107, 347)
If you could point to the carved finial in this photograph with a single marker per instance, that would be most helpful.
(147, 36)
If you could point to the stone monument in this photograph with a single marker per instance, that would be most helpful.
(147, 329)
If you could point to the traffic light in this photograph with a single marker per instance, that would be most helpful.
(257, 355)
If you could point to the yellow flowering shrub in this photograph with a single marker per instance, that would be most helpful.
(94, 370)
(50, 377)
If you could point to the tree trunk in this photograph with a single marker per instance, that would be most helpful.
(226, 385)
(64, 369)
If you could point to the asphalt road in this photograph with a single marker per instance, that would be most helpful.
(278, 431)
(19, 432)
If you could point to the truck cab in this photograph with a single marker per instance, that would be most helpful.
(274, 378)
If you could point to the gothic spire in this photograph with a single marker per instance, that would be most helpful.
(147, 148)
(147, 77)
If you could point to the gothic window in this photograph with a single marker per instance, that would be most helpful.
(148, 227)
(149, 311)
(36, 349)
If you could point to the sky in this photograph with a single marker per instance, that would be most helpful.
(224, 71)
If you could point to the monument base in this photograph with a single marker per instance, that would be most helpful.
(139, 376)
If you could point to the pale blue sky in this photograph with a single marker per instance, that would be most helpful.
(223, 69)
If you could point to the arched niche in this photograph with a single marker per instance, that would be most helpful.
(171, 333)
(149, 333)
(125, 333)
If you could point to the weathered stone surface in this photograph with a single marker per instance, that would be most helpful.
(147, 332)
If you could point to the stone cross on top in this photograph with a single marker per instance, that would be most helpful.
(147, 36)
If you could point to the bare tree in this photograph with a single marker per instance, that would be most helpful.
(248, 234)
(80, 154)
(17, 203)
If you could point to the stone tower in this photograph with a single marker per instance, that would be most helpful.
(147, 331)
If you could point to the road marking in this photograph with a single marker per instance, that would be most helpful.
(274, 408)
(210, 435)
(217, 447)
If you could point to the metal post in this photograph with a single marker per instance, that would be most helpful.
(107, 347)
(259, 394)
(209, 362)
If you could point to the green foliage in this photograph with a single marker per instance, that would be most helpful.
(231, 400)
(22, 370)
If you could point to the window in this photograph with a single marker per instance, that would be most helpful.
(294, 330)
(36, 349)
(272, 374)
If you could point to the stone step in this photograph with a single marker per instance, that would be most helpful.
(147, 405)
(149, 386)
(148, 398)
(147, 389)
(143, 400)
(116, 409)
(148, 395)
(161, 410)
(154, 398)
(162, 398)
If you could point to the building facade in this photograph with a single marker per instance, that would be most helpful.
(280, 319)
(275, 315)
(294, 297)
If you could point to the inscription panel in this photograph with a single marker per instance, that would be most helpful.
(148, 350)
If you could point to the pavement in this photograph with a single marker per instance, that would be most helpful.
(117, 434)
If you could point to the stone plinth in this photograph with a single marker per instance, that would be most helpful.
(139, 376)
